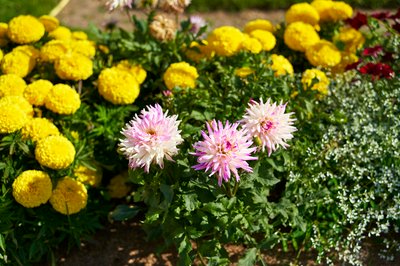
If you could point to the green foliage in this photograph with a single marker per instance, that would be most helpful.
(10, 9)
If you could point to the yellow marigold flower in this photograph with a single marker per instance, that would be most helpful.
(22, 103)
(25, 29)
(251, 44)
(38, 128)
(340, 11)
(73, 66)
(347, 58)
(61, 33)
(243, 72)
(18, 63)
(118, 86)
(136, 70)
(32, 188)
(180, 75)
(225, 40)
(75, 135)
(351, 38)
(88, 176)
(302, 12)
(37, 91)
(198, 51)
(316, 80)
(29, 50)
(299, 35)
(332, 10)
(259, 24)
(118, 187)
(55, 152)
(323, 54)
(12, 118)
(62, 99)
(3, 34)
(85, 47)
(79, 35)
(54, 49)
(280, 65)
(50, 23)
(11, 84)
(69, 197)
(163, 28)
(266, 38)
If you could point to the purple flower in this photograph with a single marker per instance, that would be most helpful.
(197, 23)
(150, 137)
(269, 123)
(224, 150)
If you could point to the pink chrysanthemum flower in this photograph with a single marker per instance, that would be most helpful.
(196, 23)
(269, 123)
(113, 4)
(224, 150)
(150, 137)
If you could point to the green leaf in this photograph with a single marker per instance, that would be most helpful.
(2, 243)
(249, 259)
(124, 212)
(190, 201)
(168, 192)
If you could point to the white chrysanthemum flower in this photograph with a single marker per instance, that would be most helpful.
(150, 137)
(269, 123)
(113, 4)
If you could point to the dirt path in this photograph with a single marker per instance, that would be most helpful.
(80, 13)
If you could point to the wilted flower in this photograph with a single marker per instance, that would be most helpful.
(150, 137)
(163, 28)
(113, 4)
(224, 150)
(269, 123)
(177, 6)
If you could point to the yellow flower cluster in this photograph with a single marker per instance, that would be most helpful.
(302, 12)
(69, 197)
(118, 187)
(25, 29)
(61, 33)
(280, 65)
(135, 70)
(118, 86)
(198, 51)
(37, 91)
(50, 23)
(74, 66)
(352, 39)
(19, 101)
(20, 61)
(347, 58)
(62, 99)
(53, 50)
(251, 44)
(258, 24)
(180, 75)
(243, 72)
(299, 35)
(55, 152)
(32, 188)
(39, 128)
(88, 176)
(323, 54)
(12, 118)
(332, 10)
(225, 40)
(11, 84)
(316, 80)
(266, 38)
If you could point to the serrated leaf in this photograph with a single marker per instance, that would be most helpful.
(249, 259)
(168, 192)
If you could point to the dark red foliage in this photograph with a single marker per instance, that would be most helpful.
(377, 70)
(353, 65)
(381, 15)
(359, 20)
(372, 51)
(396, 15)
(396, 26)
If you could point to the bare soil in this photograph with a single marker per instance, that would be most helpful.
(124, 244)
